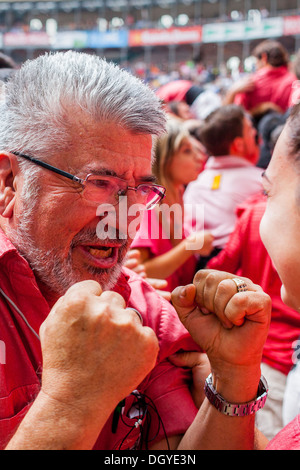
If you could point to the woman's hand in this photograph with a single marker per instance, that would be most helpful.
(200, 242)
(230, 326)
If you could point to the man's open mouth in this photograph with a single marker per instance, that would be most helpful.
(100, 252)
(100, 256)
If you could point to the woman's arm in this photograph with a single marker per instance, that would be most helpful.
(163, 266)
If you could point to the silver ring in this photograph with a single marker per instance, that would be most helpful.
(240, 284)
(138, 314)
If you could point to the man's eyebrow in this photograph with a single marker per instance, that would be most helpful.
(148, 179)
(107, 172)
(265, 176)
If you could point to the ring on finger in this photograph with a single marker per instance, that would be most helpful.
(240, 284)
(137, 312)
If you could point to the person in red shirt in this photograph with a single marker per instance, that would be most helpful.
(217, 303)
(245, 255)
(270, 87)
(84, 343)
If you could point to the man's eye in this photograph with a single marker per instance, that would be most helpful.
(102, 184)
(144, 189)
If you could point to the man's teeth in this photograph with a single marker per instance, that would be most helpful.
(103, 252)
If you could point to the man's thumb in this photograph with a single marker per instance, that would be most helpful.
(188, 359)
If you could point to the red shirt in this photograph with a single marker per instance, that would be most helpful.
(166, 386)
(272, 84)
(246, 256)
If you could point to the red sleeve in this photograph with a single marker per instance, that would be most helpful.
(168, 386)
(242, 99)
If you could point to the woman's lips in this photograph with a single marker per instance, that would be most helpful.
(104, 256)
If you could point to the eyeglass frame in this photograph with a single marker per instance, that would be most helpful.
(77, 179)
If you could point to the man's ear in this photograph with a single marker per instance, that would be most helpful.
(8, 168)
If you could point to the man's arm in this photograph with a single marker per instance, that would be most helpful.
(91, 359)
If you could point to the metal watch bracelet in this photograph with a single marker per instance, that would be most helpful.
(236, 409)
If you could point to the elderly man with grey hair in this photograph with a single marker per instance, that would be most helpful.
(88, 348)
(76, 135)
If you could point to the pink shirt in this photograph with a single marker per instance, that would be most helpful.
(151, 235)
(225, 183)
(174, 90)
(166, 387)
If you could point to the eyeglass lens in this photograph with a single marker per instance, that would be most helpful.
(110, 189)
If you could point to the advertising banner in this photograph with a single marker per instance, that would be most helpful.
(159, 37)
(108, 39)
(21, 39)
(291, 25)
(242, 30)
(70, 40)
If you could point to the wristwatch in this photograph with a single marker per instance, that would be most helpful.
(236, 409)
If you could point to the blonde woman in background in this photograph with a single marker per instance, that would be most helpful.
(164, 251)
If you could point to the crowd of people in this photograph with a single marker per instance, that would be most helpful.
(182, 333)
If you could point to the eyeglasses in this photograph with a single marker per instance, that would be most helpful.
(108, 189)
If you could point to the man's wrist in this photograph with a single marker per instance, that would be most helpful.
(51, 425)
(238, 385)
(236, 409)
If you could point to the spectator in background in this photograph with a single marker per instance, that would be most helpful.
(245, 255)
(7, 67)
(269, 128)
(230, 175)
(179, 110)
(269, 88)
(164, 250)
(270, 125)
(201, 102)
(177, 90)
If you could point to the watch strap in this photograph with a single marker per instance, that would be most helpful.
(236, 409)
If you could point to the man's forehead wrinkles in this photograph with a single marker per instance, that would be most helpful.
(96, 149)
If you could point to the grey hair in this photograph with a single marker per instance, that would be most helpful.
(41, 96)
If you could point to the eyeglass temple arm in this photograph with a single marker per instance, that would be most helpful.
(49, 167)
